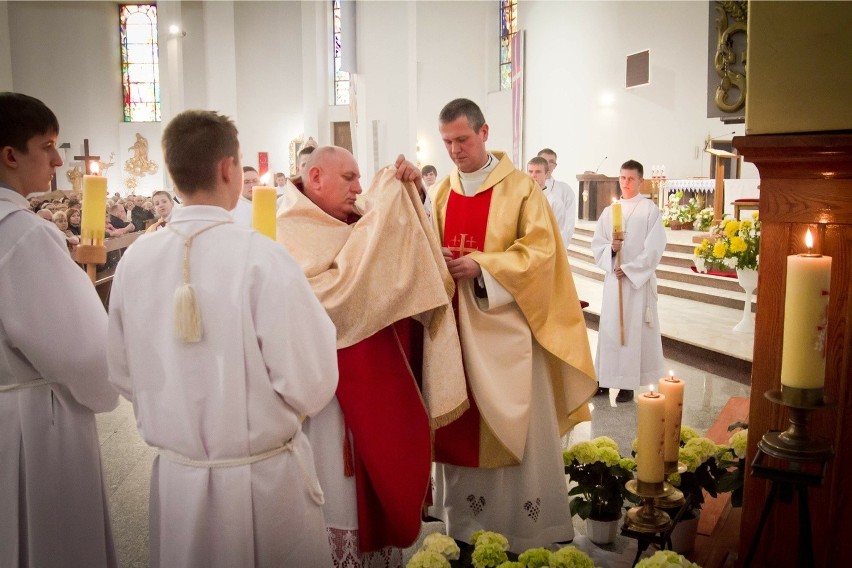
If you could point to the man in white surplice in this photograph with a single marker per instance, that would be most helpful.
(560, 195)
(53, 367)
(217, 338)
(640, 360)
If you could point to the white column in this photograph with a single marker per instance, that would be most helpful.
(220, 58)
(5, 49)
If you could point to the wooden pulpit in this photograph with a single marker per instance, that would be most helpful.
(719, 192)
(596, 192)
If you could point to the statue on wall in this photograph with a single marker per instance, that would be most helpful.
(140, 164)
(75, 176)
(104, 166)
(731, 16)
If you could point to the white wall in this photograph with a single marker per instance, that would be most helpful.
(5, 50)
(67, 55)
(575, 54)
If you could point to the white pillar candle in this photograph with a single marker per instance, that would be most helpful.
(651, 413)
(805, 319)
(672, 388)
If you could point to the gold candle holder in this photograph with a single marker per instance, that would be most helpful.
(676, 498)
(796, 443)
(646, 518)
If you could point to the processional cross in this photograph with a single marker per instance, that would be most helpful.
(458, 245)
(87, 159)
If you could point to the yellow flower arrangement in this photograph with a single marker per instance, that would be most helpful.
(736, 245)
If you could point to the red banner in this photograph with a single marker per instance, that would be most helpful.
(262, 163)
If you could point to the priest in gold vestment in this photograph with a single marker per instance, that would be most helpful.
(526, 354)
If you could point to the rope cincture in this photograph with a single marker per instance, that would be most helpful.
(188, 325)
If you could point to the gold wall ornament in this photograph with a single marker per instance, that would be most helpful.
(75, 176)
(131, 183)
(104, 166)
(731, 17)
(139, 164)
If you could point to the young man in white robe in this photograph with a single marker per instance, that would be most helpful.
(222, 375)
(526, 353)
(639, 361)
(53, 366)
(560, 195)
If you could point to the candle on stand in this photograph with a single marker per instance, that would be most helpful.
(93, 220)
(263, 201)
(805, 319)
(651, 411)
(616, 216)
(672, 388)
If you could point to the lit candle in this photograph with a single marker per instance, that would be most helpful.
(671, 387)
(263, 208)
(92, 223)
(616, 216)
(651, 435)
(805, 319)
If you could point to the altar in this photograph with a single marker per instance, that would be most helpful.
(705, 188)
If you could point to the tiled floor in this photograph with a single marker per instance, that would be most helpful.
(127, 459)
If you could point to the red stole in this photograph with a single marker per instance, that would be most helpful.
(383, 410)
(464, 231)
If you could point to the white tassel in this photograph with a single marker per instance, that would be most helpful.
(649, 315)
(187, 317)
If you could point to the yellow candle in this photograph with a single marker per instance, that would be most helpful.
(616, 216)
(263, 210)
(651, 434)
(672, 387)
(805, 320)
(92, 223)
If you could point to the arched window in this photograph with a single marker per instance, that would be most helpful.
(508, 29)
(140, 62)
(341, 78)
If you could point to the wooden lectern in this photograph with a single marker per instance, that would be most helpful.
(719, 192)
(596, 193)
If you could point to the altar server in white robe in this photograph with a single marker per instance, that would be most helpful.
(640, 360)
(53, 368)
(217, 338)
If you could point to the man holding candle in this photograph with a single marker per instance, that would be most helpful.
(221, 378)
(527, 359)
(628, 244)
(53, 507)
(376, 267)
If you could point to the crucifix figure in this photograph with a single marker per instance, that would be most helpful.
(458, 245)
(87, 159)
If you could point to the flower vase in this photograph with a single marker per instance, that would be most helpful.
(683, 534)
(601, 532)
(699, 264)
(747, 278)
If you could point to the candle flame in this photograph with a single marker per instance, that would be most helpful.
(614, 199)
(94, 167)
(809, 240)
(652, 389)
(671, 373)
(264, 179)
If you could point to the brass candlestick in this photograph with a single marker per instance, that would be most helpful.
(796, 443)
(676, 498)
(647, 518)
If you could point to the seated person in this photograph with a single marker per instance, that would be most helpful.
(61, 222)
(118, 220)
(74, 219)
(163, 205)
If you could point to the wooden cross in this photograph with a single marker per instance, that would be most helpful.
(87, 159)
(459, 242)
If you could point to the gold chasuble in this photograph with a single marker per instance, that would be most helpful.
(524, 253)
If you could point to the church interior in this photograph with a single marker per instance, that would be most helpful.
(270, 65)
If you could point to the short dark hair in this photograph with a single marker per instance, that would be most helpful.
(539, 161)
(547, 151)
(249, 169)
(21, 118)
(193, 143)
(634, 165)
(306, 151)
(466, 108)
(429, 170)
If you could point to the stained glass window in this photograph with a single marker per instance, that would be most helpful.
(341, 78)
(508, 29)
(140, 62)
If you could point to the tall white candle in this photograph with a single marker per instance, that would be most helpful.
(651, 411)
(805, 319)
(672, 388)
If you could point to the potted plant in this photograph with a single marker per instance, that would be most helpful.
(732, 481)
(600, 473)
(704, 219)
(706, 465)
(666, 559)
